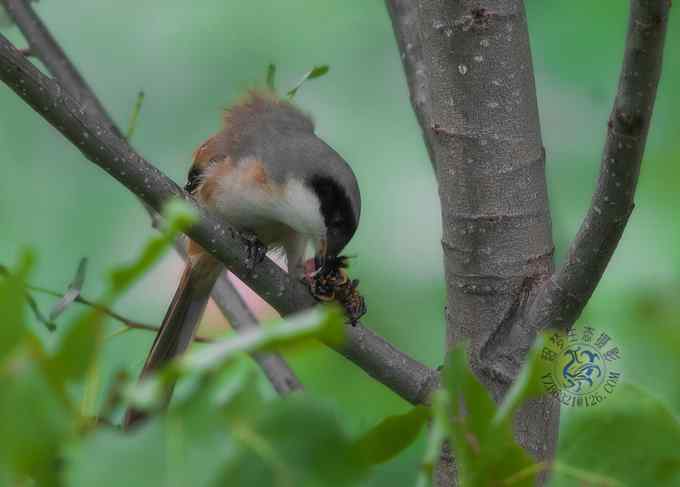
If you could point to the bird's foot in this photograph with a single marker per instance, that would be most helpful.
(256, 250)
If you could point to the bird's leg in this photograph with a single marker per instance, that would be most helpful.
(313, 272)
(256, 250)
(317, 273)
(316, 266)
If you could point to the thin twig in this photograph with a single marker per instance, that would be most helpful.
(234, 308)
(50, 53)
(405, 376)
(136, 325)
(32, 304)
(562, 297)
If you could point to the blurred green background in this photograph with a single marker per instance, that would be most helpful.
(192, 60)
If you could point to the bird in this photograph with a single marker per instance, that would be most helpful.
(266, 174)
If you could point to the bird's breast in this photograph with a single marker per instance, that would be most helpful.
(249, 199)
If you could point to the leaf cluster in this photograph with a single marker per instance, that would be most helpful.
(226, 426)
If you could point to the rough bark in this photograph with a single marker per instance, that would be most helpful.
(470, 76)
(490, 164)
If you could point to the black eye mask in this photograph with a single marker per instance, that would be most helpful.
(337, 212)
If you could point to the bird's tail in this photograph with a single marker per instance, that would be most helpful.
(181, 320)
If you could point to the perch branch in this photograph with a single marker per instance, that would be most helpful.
(46, 48)
(404, 375)
(562, 297)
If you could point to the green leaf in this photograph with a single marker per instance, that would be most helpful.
(178, 216)
(82, 341)
(391, 436)
(78, 348)
(294, 441)
(110, 458)
(318, 71)
(315, 72)
(223, 432)
(439, 431)
(271, 75)
(90, 391)
(199, 427)
(322, 322)
(36, 423)
(325, 323)
(240, 389)
(527, 385)
(463, 385)
(631, 437)
(485, 449)
(13, 326)
(190, 445)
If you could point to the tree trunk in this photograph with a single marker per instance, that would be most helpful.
(471, 79)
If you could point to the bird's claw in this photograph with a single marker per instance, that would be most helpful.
(256, 250)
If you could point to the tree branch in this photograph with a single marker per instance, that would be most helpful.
(242, 319)
(230, 302)
(135, 325)
(404, 375)
(232, 305)
(565, 294)
(45, 47)
(281, 376)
